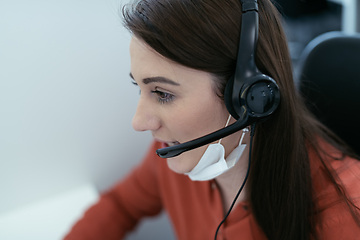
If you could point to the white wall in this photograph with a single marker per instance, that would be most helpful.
(66, 100)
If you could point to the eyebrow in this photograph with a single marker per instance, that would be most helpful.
(157, 79)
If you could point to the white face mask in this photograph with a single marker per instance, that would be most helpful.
(213, 163)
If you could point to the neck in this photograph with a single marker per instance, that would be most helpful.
(230, 182)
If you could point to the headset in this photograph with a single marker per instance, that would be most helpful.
(249, 95)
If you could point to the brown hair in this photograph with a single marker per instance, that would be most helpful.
(204, 35)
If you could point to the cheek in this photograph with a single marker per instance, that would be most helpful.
(196, 122)
(192, 123)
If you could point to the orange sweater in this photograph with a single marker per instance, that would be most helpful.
(195, 208)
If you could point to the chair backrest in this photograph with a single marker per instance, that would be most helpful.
(329, 79)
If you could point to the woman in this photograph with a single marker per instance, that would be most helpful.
(300, 184)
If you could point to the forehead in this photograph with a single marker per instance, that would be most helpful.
(140, 51)
(146, 62)
(144, 59)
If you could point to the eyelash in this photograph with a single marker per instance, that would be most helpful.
(163, 99)
(169, 97)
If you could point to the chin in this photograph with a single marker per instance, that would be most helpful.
(176, 164)
(185, 162)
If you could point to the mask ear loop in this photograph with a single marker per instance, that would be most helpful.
(245, 130)
(227, 123)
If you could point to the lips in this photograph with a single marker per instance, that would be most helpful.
(173, 143)
(170, 144)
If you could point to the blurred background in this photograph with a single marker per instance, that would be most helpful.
(66, 104)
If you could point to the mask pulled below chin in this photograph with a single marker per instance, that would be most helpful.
(213, 163)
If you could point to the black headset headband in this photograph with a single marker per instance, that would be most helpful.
(245, 64)
(249, 95)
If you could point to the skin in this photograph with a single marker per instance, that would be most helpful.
(181, 110)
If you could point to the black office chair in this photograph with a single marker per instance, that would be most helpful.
(329, 78)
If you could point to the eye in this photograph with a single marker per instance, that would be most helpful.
(163, 97)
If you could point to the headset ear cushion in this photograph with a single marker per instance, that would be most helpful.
(228, 98)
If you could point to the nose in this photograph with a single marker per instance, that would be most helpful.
(145, 117)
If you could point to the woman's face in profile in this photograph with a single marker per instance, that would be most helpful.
(176, 104)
